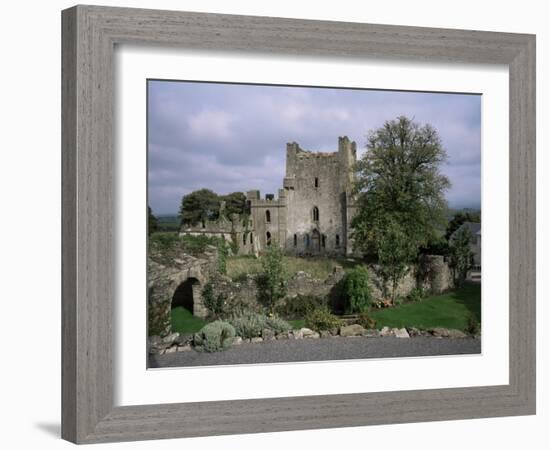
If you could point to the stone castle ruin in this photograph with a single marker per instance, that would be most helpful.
(311, 215)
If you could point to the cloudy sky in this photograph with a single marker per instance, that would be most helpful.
(229, 137)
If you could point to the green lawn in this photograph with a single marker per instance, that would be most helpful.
(450, 310)
(297, 324)
(184, 322)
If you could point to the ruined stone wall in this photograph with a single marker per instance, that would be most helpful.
(243, 295)
(275, 226)
(238, 229)
(163, 278)
(433, 275)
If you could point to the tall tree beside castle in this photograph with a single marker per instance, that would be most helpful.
(399, 185)
(199, 206)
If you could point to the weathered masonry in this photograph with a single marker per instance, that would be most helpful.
(311, 214)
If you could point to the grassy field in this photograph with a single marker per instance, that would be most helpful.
(184, 322)
(297, 324)
(450, 310)
(317, 267)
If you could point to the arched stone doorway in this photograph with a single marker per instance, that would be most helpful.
(315, 241)
(186, 295)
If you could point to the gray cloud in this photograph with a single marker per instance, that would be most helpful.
(233, 137)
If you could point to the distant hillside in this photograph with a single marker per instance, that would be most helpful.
(453, 211)
(168, 222)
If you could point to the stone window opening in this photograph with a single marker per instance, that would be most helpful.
(268, 238)
(323, 241)
(244, 239)
(268, 216)
(295, 240)
(337, 240)
(306, 238)
(203, 224)
(315, 214)
(316, 182)
(251, 238)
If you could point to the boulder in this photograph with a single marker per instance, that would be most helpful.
(170, 338)
(268, 334)
(352, 330)
(306, 332)
(283, 335)
(457, 334)
(413, 331)
(256, 339)
(183, 340)
(313, 335)
(385, 332)
(325, 333)
(400, 333)
(238, 340)
(440, 332)
(371, 333)
(184, 348)
(156, 345)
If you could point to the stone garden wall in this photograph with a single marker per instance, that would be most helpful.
(433, 275)
(243, 295)
(164, 278)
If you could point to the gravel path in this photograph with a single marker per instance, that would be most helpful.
(325, 349)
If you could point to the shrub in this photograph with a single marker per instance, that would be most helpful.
(212, 301)
(473, 325)
(366, 321)
(417, 294)
(272, 280)
(298, 307)
(357, 290)
(321, 319)
(214, 337)
(278, 325)
(249, 325)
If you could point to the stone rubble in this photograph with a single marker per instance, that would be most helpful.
(174, 342)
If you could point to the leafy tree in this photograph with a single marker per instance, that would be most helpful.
(235, 203)
(435, 246)
(152, 225)
(272, 280)
(395, 253)
(458, 219)
(198, 206)
(461, 254)
(399, 183)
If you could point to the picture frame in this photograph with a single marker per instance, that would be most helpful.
(89, 36)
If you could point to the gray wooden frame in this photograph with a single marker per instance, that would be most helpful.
(89, 35)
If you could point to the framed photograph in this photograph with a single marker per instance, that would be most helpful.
(277, 224)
